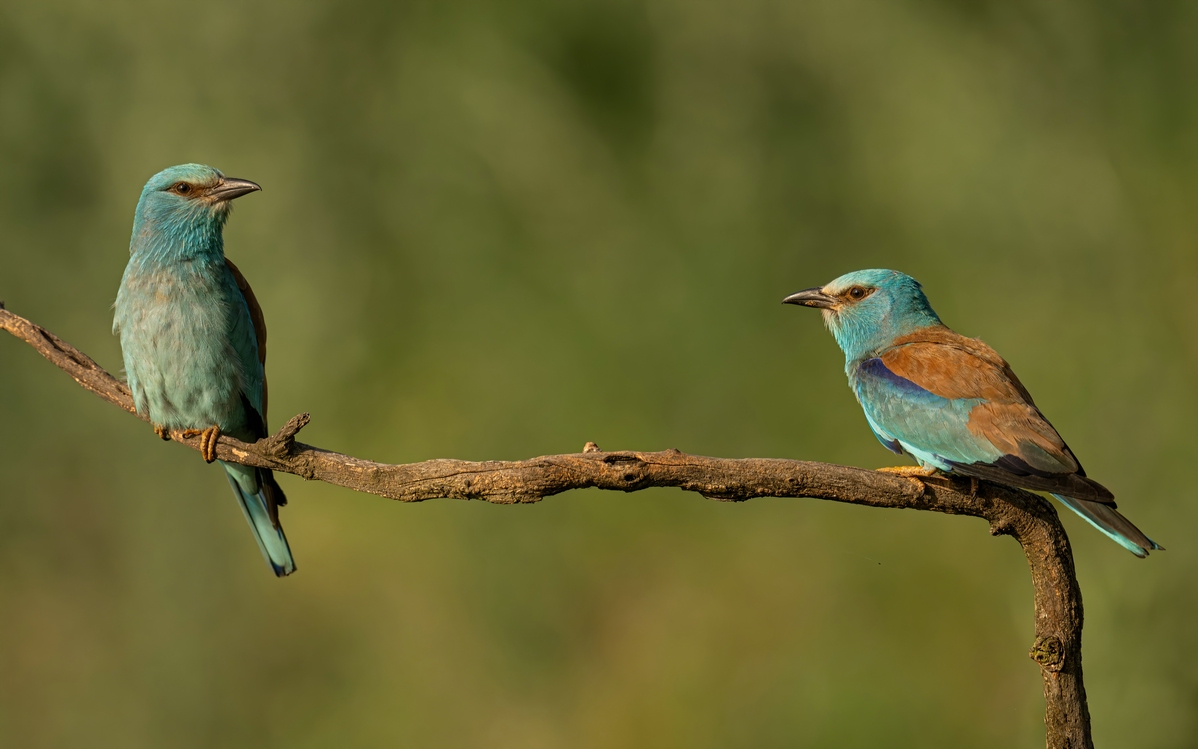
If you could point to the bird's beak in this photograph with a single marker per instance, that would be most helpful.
(812, 298)
(230, 188)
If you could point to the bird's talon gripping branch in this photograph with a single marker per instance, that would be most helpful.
(163, 433)
(911, 472)
(208, 439)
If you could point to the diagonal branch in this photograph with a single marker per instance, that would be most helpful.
(1029, 518)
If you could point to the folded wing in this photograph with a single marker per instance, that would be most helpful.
(271, 490)
(955, 402)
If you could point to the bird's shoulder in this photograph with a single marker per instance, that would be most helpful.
(953, 366)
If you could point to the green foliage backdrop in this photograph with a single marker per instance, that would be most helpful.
(498, 230)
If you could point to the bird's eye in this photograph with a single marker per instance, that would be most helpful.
(182, 188)
(857, 293)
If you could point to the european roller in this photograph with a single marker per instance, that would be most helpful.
(193, 336)
(951, 402)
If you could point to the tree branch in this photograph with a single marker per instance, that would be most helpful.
(1027, 517)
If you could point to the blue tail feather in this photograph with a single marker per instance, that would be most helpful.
(258, 512)
(1113, 525)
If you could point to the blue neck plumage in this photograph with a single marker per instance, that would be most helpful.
(872, 326)
(180, 234)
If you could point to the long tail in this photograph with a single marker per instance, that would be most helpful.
(1116, 527)
(260, 497)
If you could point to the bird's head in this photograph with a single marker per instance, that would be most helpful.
(186, 206)
(867, 309)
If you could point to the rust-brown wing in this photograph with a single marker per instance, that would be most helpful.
(275, 498)
(259, 321)
(1031, 452)
(954, 366)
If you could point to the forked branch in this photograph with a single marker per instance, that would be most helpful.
(1028, 518)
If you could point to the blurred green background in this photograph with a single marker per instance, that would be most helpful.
(501, 230)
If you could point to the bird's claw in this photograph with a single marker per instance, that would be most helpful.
(208, 439)
(916, 472)
(208, 443)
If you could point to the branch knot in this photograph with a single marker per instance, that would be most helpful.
(1049, 652)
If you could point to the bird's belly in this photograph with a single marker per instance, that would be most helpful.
(925, 458)
(181, 367)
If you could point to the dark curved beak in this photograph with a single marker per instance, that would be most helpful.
(230, 188)
(811, 298)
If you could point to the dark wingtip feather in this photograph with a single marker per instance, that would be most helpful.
(1100, 491)
(273, 493)
(1013, 471)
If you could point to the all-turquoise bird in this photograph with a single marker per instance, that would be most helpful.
(193, 335)
(951, 402)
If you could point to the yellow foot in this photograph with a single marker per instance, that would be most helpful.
(208, 438)
(162, 432)
(912, 472)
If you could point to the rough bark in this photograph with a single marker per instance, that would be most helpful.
(1027, 517)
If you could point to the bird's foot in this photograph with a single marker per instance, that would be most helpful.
(913, 472)
(163, 433)
(208, 438)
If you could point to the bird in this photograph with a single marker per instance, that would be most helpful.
(193, 337)
(950, 401)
